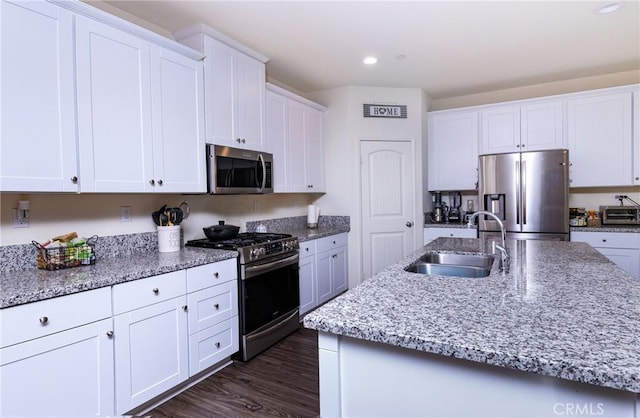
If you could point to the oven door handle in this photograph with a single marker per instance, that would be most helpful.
(252, 271)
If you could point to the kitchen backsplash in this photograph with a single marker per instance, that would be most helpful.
(297, 223)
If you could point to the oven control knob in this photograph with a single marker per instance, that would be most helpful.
(257, 252)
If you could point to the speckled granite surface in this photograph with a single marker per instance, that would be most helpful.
(608, 228)
(564, 310)
(31, 285)
(445, 225)
(297, 226)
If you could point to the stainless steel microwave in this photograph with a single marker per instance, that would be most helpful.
(238, 171)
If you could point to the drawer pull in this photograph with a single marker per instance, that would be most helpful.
(184, 308)
(217, 306)
(604, 240)
(216, 274)
(44, 320)
(155, 290)
(218, 345)
(334, 243)
(110, 334)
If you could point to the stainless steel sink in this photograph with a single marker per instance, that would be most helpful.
(458, 265)
(472, 260)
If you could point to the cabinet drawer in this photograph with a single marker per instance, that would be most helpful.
(34, 320)
(213, 274)
(308, 248)
(608, 239)
(144, 292)
(213, 345)
(213, 305)
(333, 241)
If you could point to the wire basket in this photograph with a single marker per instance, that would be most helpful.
(66, 257)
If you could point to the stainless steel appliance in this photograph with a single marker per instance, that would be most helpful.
(238, 171)
(268, 287)
(439, 208)
(620, 215)
(455, 202)
(528, 191)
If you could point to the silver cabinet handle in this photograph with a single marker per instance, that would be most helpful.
(184, 308)
(217, 306)
(152, 182)
(74, 179)
(155, 290)
(160, 182)
(409, 224)
(217, 345)
(109, 334)
(44, 320)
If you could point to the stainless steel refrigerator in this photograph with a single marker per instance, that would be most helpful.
(528, 191)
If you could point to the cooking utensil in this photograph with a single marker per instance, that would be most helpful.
(221, 231)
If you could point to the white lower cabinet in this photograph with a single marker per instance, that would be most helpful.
(59, 362)
(622, 248)
(432, 233)
(151, 339)
(323, 270)
(213, 314)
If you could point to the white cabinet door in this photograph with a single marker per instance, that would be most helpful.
(339, 268)
(636, 137)
(297, 159)
(323, 278)
(313, 139)
(276, 139)
(452, 150)
(235, 97)
(37, 103)
(626, 258)
(541, 126)
(600, 140)
(308, 284)
(114, 109)
(331, 267)
(151, 353)
(178, 122)
(500, 129)
(250, 89)
(66, 374)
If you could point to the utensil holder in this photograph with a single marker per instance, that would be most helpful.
(169, 238)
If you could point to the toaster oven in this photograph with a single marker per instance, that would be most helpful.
(620, 215)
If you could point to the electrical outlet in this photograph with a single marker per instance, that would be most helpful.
(125, 214)
(256, 207)
(19, 221)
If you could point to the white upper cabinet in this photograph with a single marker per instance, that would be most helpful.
(528, 126)
(37, 105)
(178, 122)
(295, 135)
(234, 89)
(140, 114)
(600, 135)
(452, 151)
(636, 137)
(114, 109)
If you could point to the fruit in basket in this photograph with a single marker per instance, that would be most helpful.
(66, 237)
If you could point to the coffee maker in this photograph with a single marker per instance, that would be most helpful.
(455, 202)
(439, 211)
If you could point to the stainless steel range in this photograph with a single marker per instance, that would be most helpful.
(268, 288)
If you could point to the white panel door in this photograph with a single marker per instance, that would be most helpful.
(250, 89)
(37, 104)
(276, 139)
(308, 285)
(114, 109)
(178, 122)
(219, 98)
(541, 126)
(314, 167)
(387, 175)
(296, 149)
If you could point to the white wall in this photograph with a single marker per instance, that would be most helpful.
(99, 214)
(345, 128)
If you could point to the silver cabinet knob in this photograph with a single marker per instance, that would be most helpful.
(109, 334)
(409, 224)
(216, 274)
(518, 146)
(155, 290)
(152, 182)
(160, 182)
(184, 308)
(217, 306)
(74, 179)
(217, 345)
(44, 320)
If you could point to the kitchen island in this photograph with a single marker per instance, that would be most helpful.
(557, 335)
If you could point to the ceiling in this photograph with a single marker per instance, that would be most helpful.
(451, 48)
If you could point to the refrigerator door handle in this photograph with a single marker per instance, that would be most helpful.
(518, 194)
(523, 194)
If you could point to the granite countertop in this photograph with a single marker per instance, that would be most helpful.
(446, 225)
(306, 234)
(607, 228)
(563, 310)
(32, 285)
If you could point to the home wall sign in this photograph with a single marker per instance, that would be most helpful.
(385, 111)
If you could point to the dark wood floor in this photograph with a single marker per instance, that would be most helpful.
(280, 382)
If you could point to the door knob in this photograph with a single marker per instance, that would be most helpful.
(409, 224)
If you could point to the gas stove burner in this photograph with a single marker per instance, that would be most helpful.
(252, 246)
(243, 239)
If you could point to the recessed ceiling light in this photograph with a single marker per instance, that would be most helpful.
(609, 8)
(370, 60)
(401, 56)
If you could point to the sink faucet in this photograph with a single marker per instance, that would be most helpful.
(504, 254)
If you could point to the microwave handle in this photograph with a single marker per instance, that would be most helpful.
(264, 172)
